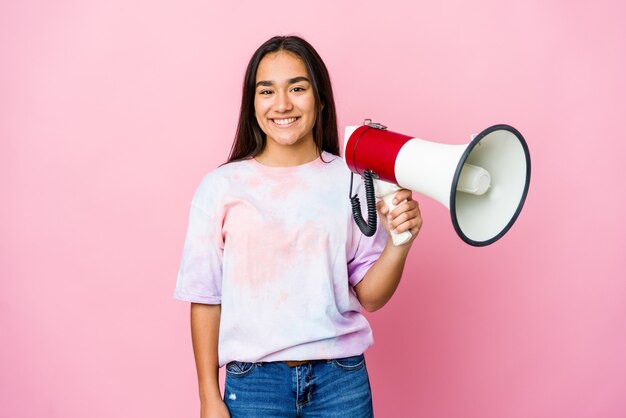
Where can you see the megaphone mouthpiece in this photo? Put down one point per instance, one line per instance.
(474, 180)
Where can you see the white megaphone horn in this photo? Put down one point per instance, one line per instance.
(484, 183)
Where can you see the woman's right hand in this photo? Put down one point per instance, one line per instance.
(214, 410)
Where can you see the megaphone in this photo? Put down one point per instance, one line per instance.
(484, 183)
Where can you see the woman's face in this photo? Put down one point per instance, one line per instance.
(284, 103)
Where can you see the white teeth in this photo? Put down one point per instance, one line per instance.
(284, 121)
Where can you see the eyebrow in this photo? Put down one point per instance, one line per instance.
(290, 81)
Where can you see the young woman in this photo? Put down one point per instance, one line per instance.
(274, 267)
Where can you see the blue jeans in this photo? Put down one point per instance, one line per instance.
(320, 388)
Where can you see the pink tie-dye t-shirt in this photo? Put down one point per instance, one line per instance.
(277, 247)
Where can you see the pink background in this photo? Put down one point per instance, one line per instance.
(112, 111)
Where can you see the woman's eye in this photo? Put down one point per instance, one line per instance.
(298, 89)
(265, 92)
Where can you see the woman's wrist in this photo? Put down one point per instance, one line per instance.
(210, 398)
(210, 392)
(397, 250)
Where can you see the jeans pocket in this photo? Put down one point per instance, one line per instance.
(350, 363)
(239, 368)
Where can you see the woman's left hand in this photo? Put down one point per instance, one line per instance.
(405, 217)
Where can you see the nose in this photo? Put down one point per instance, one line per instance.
(283, 102)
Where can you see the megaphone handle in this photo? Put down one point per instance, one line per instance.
(398, 238)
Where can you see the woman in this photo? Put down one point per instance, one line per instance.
(274, 267)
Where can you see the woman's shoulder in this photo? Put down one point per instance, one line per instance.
(219, 181)
(335, 163)
(332, 160)
(228, 172)
(328, 157)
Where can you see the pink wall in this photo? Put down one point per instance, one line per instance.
(111, 112)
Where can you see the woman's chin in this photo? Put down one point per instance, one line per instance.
(287, 141)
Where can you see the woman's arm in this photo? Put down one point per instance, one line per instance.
(205, 324)
(382, 279)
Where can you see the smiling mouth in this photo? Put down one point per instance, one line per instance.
(285, 121)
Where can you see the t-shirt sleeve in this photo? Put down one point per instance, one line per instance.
(367, 253)
(200, 272)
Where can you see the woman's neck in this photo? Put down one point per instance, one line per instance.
(288, 156)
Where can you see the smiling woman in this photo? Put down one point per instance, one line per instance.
(277, 276)
(260, 80)
(285, 110)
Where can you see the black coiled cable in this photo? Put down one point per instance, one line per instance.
(367, 228)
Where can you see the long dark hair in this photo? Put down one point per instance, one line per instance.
(250, 139)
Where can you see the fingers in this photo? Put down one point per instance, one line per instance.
(406, 221)
(380, 205)
(401, 195)
(408, 206)
(405, 217)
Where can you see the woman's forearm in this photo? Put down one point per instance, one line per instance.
(382, 279)
(205, 322)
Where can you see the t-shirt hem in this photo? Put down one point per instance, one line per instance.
(207, 300)
(285, 355)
